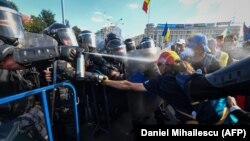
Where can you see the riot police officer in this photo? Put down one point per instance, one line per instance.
(147, 49)
(62, 34)
(145, 109)
(12, 80)
(10, 34)
(63, 70)
(90, 91)
(64, 37)
(87, 40)
(130, 44)
(94, 62)
(110, 36)
(116, 62)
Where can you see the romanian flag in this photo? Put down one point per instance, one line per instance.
(145, 6)
(166, 32)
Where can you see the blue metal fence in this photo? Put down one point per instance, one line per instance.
(42, 91)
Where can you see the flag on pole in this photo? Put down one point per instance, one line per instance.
(166, 32)
(227, 30)
(167, 35)
(145, 6)
(246, 32)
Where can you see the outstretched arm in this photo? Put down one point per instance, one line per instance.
(125, 85)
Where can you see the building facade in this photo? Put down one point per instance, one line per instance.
(138, 39)
(184, 31)
(246, 32)
(102, 33)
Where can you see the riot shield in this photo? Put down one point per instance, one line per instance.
(37, 40)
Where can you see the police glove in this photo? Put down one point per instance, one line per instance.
(95, 77)
(68, 53)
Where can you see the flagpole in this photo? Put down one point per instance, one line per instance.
(62, 6)
(149, 13)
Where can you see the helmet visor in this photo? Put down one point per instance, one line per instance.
(67, 37)
(116, 47)
(10, 23)
(88, 40)
(147, 44)
(121, 51)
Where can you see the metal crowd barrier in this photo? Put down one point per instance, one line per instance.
(98, 114)
(42, 91)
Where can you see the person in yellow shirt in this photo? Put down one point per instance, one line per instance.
(221, 56)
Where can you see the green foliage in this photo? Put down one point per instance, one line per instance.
(47, 16)
(67, 23)
(13, 4)
(37, 25)
(77, 30)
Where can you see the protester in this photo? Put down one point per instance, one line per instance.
(221, 56)
(220, 41)
(242, 116)
(180, 47)
(16, 115)
(165, 85)
(195, 88)
(229, 46)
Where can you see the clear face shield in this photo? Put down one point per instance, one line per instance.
(38, 40)
(100, 44)
(67, 37)
(119, 51)
(10, 24)
(148, 47)
(116, 48)
(88, 41)
(147, 44)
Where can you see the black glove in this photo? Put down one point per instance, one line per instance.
(6, 50)
(68, 53)
(91, 76)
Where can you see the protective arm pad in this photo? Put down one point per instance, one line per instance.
(6, 50)
(236, 73)
(33, 55)
(30, 56)
(232, 80)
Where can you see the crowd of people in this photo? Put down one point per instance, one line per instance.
(200, 87)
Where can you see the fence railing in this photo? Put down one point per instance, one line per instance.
(42, 92)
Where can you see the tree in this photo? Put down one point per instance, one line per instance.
(77, 30)
(67, 23)
(37, 25)
(47, 16)
(13, 4)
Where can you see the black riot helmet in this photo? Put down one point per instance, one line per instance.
(116, 47)
(110, 36)
(147, 42)
(147, 47)
(62, 34)
(130, 44)
(87, 40)
(11, 28)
